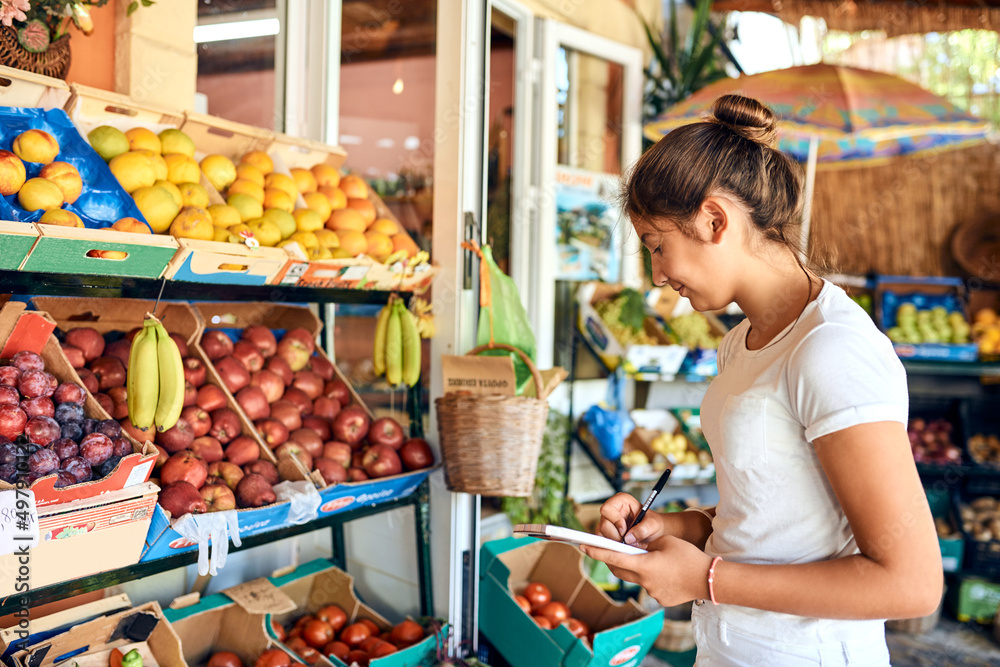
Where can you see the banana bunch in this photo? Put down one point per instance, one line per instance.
(155, 378)
(397, 344)
(425, 318)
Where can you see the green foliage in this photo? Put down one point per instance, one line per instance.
(548, 503)
(679, 69)
(633, 309)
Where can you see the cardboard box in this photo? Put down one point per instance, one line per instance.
(225, 137)
(356, 273)
(923, 292)
(975, 599)
(652, 362)
(132, 470)
(317, 584)
(13, 639)
(623, 632)
(64, 250)
(90, 644)
(225, 263)
(84, 537)
(16, 241)
(91, 107)
(297, 152)
(20, 88)
(232, 620)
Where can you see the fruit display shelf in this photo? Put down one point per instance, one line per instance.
(954, 368)
(69, 284)
(335, 522)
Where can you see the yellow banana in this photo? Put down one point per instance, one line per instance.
(378, 355)
(171, 375)
(394, 348)
(411, 347)
(143, 377)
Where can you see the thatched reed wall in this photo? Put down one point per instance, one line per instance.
(898, 217)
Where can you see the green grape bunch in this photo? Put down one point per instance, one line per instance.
(694, 331)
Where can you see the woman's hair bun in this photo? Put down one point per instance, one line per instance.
(746, 117)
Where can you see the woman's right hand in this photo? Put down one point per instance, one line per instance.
(619, 511)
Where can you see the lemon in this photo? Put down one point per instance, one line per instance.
(248, 207)
(224, 215)
(265, 231)
(305, 239)
(175, 141)
(307, 220)
(284, 220)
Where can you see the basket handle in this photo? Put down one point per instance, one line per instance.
(535, 375)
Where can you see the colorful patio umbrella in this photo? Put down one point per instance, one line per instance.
(831, 113)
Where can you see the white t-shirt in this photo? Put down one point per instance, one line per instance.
(828, 371)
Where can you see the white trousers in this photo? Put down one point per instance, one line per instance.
(724, 644)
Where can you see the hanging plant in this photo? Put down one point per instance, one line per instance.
(33, 36)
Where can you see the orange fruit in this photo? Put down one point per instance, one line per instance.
(259, 159)
(282, 182)
(247, 188)
(326, 175)
(275, 198)
(379, 245)
(346, 219)
(385, 226)
(336, 196)
(353, 242)
(131, 224)
(140, 137)
(193, 222)
(327, 238)
(364, 207)
(318, 202)
(304, 180)
(354, 187)
(403, 242)
(249, 172)
(181, 168)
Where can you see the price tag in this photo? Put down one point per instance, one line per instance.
(260, 596)
(18, 521)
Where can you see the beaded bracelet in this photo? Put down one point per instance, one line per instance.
(711, 579)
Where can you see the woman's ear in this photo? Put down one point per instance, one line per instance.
(715, 216)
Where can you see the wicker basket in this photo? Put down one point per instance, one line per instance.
(54, 61)
(490, 444)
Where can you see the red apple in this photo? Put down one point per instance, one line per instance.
(292, 449)
(294, 352)
(211, 398)
(88, 379)
(161, 456)
(272, 431)
(338, 451)
(121, 349)
(119, 399)
(270, 383)
(307, 339)
(216, 344)
(88, 340)
(110, 372)
(195, 371)
(254, 403)
(356, 475)
(138, 434)
(382, 461)
(227, 472)
(199, 420)
(280, 367)
(310, 383)
(416, 454)
(190, 395)
(242, 450)
(116, 410)
(358, 458)
(234, 375)
(266, 469)
(74, 356)
(299, 399)
(249, 355)
(182, 345)
(322, 367)
(181, 498)
(326, 407)
(131, 333)
(338, 390)
(320, 425)
(386, 431)
(287, 413)
(331, 471)
(218, 497)
(309, 440)
(351, 425)
(185, 466)
(177, 438)
(207, 448)
(225, 425)
(263, 338)
(254, 491)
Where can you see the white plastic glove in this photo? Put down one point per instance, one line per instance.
(216, 528)
(305, 500)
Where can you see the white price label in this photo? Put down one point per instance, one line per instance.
(18, 521)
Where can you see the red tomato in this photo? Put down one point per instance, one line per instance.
(537, 595)
(367, 644)
(338, 649)
(301, 623)
(115, 659)
(371, 625)
(382, 649)
(309, 655)
(407, 633)
(279, 631)
(333, 615)
(273, 657)
(317, 633)
(543, 622)
(577, 627)
(556, 612)
(297, 644)
(225, 659)
(354, 634)
(523, 603)
(359, 657)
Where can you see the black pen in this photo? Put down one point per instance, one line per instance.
(649, 501)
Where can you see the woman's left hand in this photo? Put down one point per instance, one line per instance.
(673, 571)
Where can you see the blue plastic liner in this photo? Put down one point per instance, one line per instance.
(103, 200)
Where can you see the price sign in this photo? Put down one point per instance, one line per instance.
(18, 521)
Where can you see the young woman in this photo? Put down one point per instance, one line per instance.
(822, 529)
